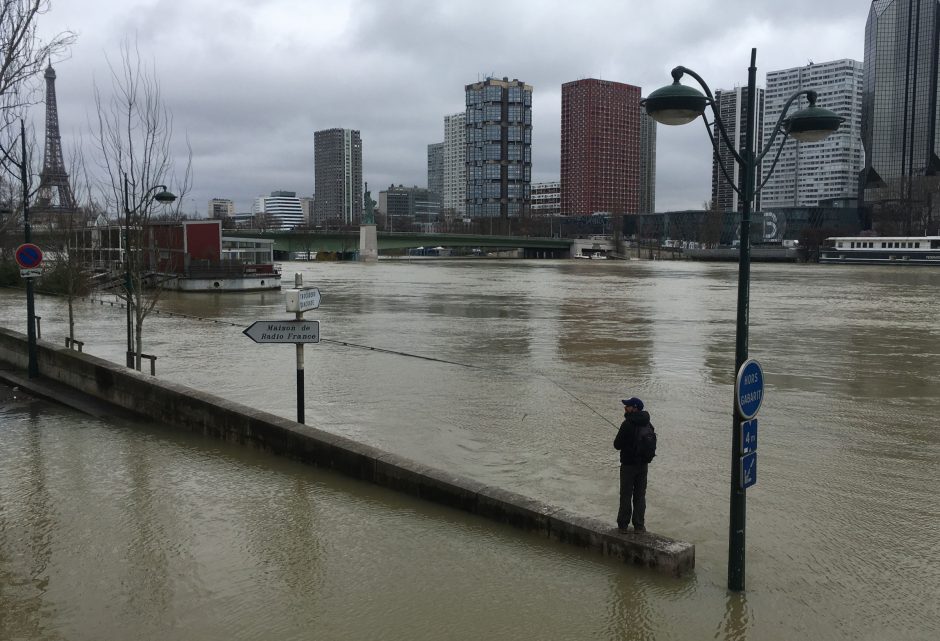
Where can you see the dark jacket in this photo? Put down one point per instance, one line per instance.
(626, 436)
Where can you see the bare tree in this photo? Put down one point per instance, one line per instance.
(22, 56)
(71, 270)
(134, 139)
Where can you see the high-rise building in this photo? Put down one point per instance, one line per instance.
(337, 176)
(409, 208)
(306, 203)
(280, 210)
(732, 108)
(546, 199)
(499, 148)
(453, 198)
(436, 169)
(808, 172)
(220, 208)
(600, 147)
(900, 110)
(647, 163)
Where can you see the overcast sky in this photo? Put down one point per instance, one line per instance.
(249, 81)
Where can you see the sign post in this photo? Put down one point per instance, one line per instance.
(748, 396)
(298, 331)
(29, 258)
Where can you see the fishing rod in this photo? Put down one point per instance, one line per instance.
(372, 348)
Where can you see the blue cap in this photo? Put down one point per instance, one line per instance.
(633, 402)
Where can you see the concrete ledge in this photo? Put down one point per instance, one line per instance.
(67, 375)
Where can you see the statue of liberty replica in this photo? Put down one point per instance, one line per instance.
(368, 237)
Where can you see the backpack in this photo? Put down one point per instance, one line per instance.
(645, 443)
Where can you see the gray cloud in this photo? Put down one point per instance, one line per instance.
(249, 81)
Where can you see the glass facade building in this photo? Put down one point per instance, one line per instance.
(899, 96)
(498, 148)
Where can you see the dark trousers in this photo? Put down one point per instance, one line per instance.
(632, 490)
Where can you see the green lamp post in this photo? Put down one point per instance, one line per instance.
(162, 196)
(678, 104)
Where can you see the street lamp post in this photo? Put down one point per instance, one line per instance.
(162, 196)
(678, 104)
(32, 357)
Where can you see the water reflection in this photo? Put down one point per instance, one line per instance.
(737, 620)
(630, 615)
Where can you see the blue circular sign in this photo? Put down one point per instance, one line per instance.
(749, 389)
(28, 256)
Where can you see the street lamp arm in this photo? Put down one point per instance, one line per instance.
(721, 165)
(772, 166)
(810, 96)
(677, 73)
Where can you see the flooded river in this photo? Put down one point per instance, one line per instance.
(508, 372)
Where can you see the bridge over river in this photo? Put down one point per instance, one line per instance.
(348, 241)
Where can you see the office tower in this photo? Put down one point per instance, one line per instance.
(436, 169)
(899, 98)
(499, 148)
(220, 208)
(647, 163)
(600, 147)
(306, 203)
(337, 176)
(546, 199)
(732, 107)
(808, 172)
(409, 208)
(453, 198)
(280, 210)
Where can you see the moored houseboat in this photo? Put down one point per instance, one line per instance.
(882, 250)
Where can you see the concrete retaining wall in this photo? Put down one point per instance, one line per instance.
(197, 411)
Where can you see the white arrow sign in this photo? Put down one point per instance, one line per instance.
(302, 299)
(284, 331)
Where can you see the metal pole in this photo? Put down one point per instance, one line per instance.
(298, 283)
(127, 277)
(736, 529)
(33, 361)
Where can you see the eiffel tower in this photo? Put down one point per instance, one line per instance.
(55, 194)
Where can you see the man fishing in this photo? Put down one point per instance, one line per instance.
(636, 441)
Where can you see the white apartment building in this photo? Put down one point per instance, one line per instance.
(455, 164)
(220, 208)
(546, 199)
(282, 209)
(808, 172)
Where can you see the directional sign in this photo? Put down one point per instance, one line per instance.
(284, 331)
(302, 299)
(748, 470)
(749, 389)
(28, 256)
(749, 436)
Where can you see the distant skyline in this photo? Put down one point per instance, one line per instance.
(250, 82)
